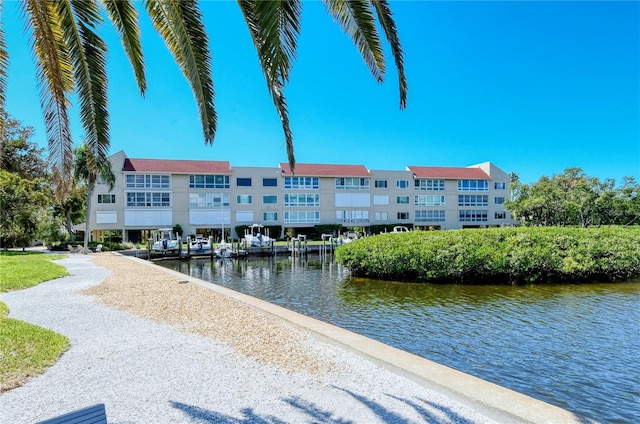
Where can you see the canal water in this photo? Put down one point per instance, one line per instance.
(574, 346)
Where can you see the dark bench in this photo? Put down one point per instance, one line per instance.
(95, 414)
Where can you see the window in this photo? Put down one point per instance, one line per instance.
(106, 198)
(244, 199)
(204, 200)
(269, 216)
(350, 183)
(498, 200)
(402, 184)
(269, 199)
(501, 215)
(473, 185)
(147, 181)
(269, 182)
(302, 217)
(403, 215)
(301, 183)
(148, 199)
(352, 216)
(208, 181)
(380, 183)
(381, 216)
(380, 200)
(429, 184)
(473, 200)
(473, 216)
(498, 185)
(243, 182)
(301, 199)
(429, 200)
(402, 200)
(430, 216)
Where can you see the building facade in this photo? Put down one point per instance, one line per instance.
(206, 196)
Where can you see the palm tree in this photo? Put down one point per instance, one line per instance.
(71, 59)
(82, 172)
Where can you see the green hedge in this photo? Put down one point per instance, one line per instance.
(497, 255)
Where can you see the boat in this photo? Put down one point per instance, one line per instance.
(255, 236)
(166, 243)
(199, 245)
(224, 250)
(400, 229)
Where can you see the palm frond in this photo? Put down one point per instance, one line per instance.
(4, 65)
(356, 18)
(87, 51)
(88, 54)
(385, 17)
(124, 17)
(55, 81)
(274, 28)
(82, 173)
(179, 23)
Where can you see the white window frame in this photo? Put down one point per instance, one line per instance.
(402, 184)
(429, 200)
(429, 184)
(244, 199)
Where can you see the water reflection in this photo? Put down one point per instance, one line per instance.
(575, 346)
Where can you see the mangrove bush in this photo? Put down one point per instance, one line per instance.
(497, 255)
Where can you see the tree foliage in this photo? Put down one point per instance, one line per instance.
(18, 155)
(497, 255)
(84, 172)
(71, 59)
(24, 185)
(573, 198)
(23, 204)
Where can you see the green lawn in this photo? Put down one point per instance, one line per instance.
(26, 349)
(20, 270)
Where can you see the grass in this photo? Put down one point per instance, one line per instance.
(26, 349)
(20, 270)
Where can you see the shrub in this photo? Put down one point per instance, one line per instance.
(497, 255)
(275, 231)
(333, 229)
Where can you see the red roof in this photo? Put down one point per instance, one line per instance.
(448, 173)
(315, 170)
(177, 166)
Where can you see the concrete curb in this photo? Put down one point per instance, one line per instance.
(494, 401)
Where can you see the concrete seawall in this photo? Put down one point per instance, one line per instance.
(494, 401)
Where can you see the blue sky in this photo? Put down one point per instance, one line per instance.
(534, 87)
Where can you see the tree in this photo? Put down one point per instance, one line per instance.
(573, 198)
(73, 209)
(627, 201)
(24, 184)
(71, 60)
(83, 172)
(18, 155)
(23, 204)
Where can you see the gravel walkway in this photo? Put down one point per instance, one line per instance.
(157, 351)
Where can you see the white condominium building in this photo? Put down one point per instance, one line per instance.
(205, 196)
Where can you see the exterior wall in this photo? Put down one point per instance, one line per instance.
(391, 194)
(393, 204)
(258, 208)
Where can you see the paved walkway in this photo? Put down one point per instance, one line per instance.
(152, 373)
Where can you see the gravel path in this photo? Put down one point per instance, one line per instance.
(154, 350)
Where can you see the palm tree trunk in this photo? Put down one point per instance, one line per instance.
(69, 225)
(90, 187)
